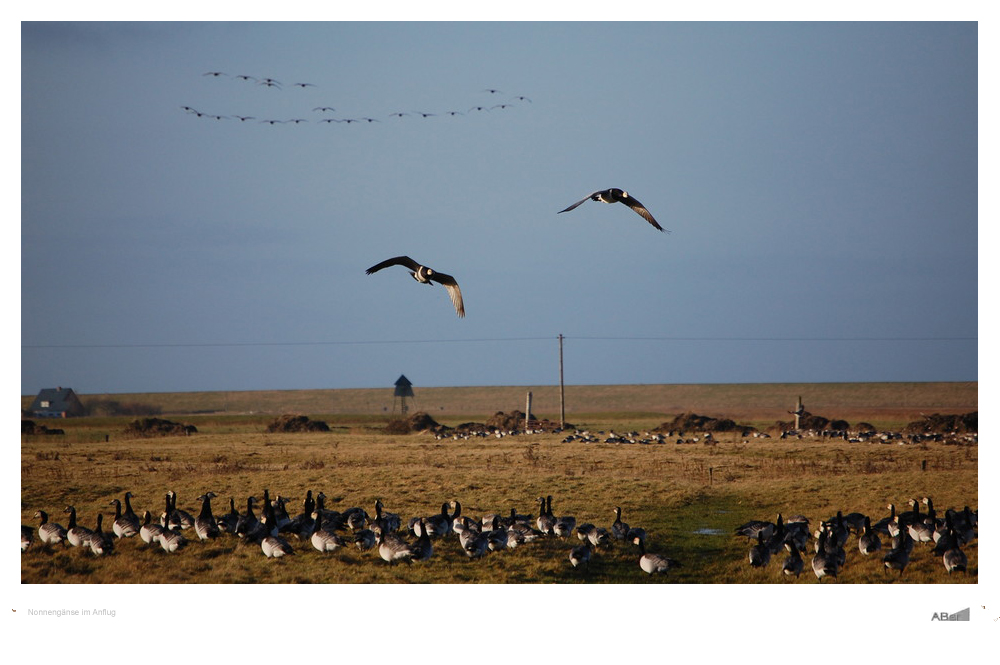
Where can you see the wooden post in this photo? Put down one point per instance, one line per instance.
(527, 412)
(798, 413)
(562, 387)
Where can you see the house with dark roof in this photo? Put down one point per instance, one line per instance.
(56, 403)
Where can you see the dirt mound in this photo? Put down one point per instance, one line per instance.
(290, 423)
(147, 427)
(421, 421)
(694, 422)
(966, 422)
(809, 421)
(507, 421)
(418, 422)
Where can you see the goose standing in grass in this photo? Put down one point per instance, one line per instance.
(355, 518)
(322, 540)
(902, 540)
(793, 563)
(425, 275)
(955, 559)
(456, 516)
(759, 555)
(50, 533)
(386, 521)
(563, 526)
(601, 537)
(394, 549)
(496, 537)
(753, 528)
(545, 520)
(247, 522)
(615, 195)
(580, 555)
(476, 543)
(76, 535)
(824, 564)
(619, 529)
(172, 540)
(869, 542)
(896, 559)
(100, 543)
(520, 532)
(122, 526)
(365, 539)
(636, 533)
(437, 526)
(887, 524)
(179, 517)
(230, 520)
(205, 524)
(129, 514)
(150, 531)
(423, 548)
(271, 544)
(655, 563)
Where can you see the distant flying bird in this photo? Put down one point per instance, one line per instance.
(329, 120)
(615, 195)
(270, 83)
(303, 85)
(479, 108)
(424, 115)
(398, 114)
(501, 106)
(522, 98)
(244, 118)
(455, 113)
(188, 109)
(214, 74)
(273, 122)
(324, 108)
(244, 77)
(425, 275)
(493, 91)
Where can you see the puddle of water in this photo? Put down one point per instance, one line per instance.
(706, 531)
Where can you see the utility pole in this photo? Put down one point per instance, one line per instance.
(562, 387)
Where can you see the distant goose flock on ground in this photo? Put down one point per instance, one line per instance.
(944, 537)
(278, 534)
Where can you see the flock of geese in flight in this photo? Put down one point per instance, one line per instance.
(421, 273)
(274, 530)
(943, 536)
(274, 84)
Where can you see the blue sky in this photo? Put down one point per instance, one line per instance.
(819, 180)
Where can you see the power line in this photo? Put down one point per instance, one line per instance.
(182, 345)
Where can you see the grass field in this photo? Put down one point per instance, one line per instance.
(688, 497)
